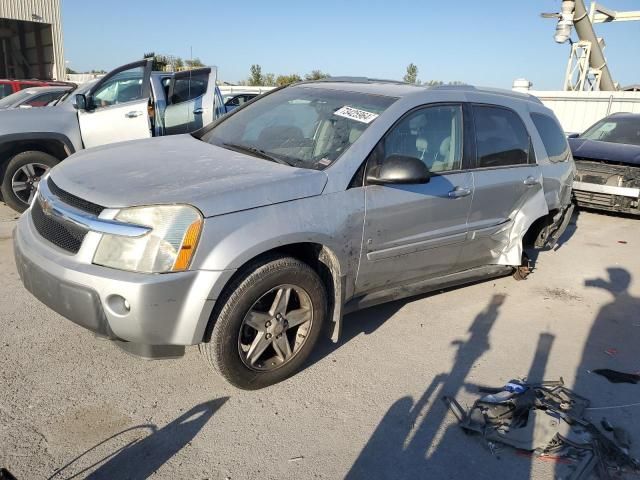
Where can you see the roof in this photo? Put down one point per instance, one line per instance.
(635, 116)
(57, 88)
(395, 88)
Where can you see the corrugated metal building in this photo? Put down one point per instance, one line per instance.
(31, 39)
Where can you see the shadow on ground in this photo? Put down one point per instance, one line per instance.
(140, 458)
(414, 439)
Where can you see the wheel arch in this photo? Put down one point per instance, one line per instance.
(321, 258)
(56, 144)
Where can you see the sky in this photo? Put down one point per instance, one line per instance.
(483, 42)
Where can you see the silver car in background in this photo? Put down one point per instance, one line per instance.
(257, 233)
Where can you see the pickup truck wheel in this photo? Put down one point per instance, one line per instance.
(21, 177)
(269, 323)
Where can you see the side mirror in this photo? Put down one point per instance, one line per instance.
(573, 135)
(400, 169)
(81, 101)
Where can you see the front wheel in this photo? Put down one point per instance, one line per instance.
(22, 175)
(270, 320)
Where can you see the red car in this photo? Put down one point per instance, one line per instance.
(7, 87)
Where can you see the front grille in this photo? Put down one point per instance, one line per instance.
(65, 236)
(592, 198)
(74, 201)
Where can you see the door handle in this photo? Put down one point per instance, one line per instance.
(198, 111)
(530, 181)
(133, 114)
(459, 192)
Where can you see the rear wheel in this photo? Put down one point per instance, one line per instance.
(22, 175)
(269, 323)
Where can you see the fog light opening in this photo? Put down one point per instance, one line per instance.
(118, 304)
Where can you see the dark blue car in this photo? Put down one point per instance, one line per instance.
(607, 157)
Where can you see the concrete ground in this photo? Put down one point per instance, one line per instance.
(72, 406)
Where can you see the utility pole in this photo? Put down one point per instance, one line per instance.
(587, 68)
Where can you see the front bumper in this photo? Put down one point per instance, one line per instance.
(164, 309)
(607, 197)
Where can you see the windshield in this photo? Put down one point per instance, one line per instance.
(14, 99)
(302, 126)
(615, 130)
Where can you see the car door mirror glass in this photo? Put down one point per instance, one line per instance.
(400, 169)
(81, 102)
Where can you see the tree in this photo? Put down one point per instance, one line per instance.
(412, 74)
(316, 75)
(269, 80)
(255, 75)
(194, 63)
(282, 80)
(177, 64)
(434, 83)
(70, 71)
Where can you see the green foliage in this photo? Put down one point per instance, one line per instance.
(255, 76)
(412, 74)
(194, 63)
(282, 80)
(269, 80)
(316, 75)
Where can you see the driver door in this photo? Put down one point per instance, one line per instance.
(416, 231)
(190, 101)
(118, 106)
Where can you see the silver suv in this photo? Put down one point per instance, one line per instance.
(257, 233)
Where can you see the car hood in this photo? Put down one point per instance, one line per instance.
(605, 151)
(182, 169)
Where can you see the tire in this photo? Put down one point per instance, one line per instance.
(224, 351)
(17, 172)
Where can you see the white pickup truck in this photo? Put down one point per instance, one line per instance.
(129, 103)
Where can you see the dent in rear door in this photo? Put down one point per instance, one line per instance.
(508, 191)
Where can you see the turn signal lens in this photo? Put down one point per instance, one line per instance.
(188, 246)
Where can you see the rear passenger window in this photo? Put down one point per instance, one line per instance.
(501, 137)
(189, 87)
(555, 143)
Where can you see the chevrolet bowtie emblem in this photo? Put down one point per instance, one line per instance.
(45, 204)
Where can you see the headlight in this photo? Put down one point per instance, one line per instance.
(168, 247)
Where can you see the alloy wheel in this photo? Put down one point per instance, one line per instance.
(24, 182)
(275, 328)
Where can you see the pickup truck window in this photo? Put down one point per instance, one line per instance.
(123, 87)
(188, 88)
(307, 127)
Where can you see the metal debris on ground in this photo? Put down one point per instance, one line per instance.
(548, 420)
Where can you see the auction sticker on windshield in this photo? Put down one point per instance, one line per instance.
(356, 114)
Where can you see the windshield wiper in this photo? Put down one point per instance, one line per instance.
(256, 152)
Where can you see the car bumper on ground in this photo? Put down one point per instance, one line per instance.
(160, 309)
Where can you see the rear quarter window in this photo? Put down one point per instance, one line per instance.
(553, 138)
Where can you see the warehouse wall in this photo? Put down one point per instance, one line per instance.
(577, 111)
(40, 12)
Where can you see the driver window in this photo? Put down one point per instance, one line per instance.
(123, 87)
(432, 134)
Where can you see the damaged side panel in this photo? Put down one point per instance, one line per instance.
(506, 202)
